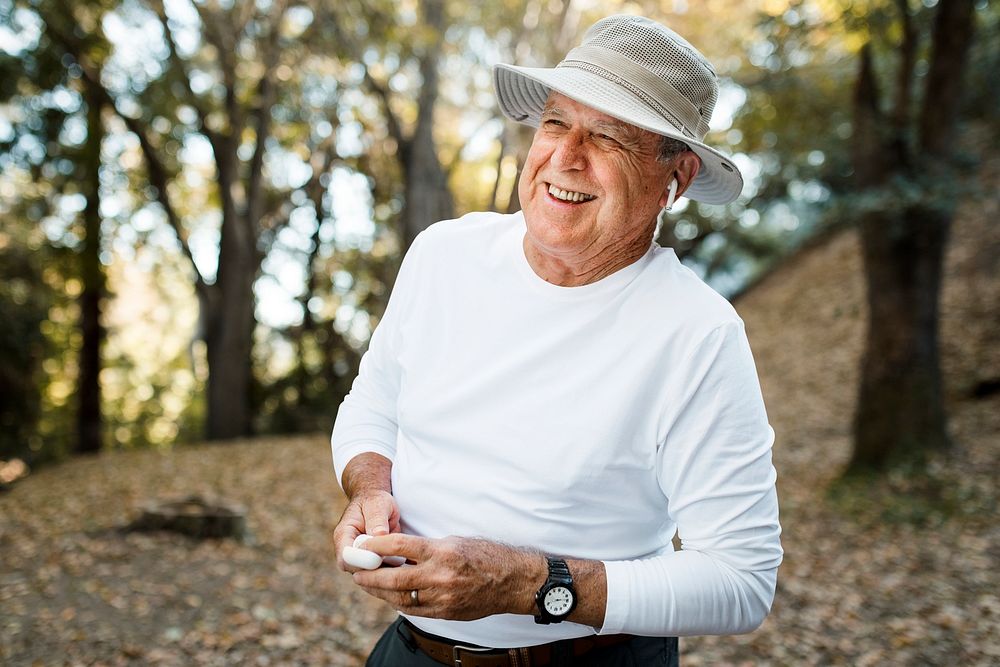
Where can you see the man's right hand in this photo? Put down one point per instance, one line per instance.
(371, 512)
(371, 508)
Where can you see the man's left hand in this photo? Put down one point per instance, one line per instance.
(455, 578)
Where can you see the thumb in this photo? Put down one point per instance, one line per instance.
(376, 513)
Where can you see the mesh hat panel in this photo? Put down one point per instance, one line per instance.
(674, 61)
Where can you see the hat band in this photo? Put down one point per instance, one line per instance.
(625, 72)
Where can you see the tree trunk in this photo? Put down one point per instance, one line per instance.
(229, 342)
(953, 33)
(427, 196)
(230, 318)
(900, 412)
(88, 417)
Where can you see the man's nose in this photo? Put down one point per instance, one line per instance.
(570, 153)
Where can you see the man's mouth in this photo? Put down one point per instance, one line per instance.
(570, 195)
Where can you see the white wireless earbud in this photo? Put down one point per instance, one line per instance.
(671, 194)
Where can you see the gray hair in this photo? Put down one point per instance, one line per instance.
(670, 148)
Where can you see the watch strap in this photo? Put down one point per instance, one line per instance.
(559, 571)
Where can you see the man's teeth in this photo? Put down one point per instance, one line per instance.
(568, 195)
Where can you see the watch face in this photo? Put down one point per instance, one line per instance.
(558, 601)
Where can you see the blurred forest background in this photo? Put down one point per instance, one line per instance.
(203, 204)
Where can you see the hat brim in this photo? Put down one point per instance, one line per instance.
(522, 92)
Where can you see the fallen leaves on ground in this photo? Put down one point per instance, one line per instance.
(76, 589)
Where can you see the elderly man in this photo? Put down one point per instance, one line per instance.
(550, 396)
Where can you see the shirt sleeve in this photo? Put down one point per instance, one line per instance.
(367, 418)
(715, 471)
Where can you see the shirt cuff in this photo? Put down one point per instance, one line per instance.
(616, 573)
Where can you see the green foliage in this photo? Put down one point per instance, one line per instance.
(306, 399)
(325, 350)
(39, 339)
(787, 70)
(24, 303)
(796, 125)
(43, 163)
(791, 130)
(982, 92)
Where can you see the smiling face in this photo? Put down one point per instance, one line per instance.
(591, 189)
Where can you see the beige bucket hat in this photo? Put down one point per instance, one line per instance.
(643, 73)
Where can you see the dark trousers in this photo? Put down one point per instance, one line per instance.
(396, 649)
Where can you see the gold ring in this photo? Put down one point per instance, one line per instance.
(414, 598)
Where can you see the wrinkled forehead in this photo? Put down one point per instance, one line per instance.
(566, 108)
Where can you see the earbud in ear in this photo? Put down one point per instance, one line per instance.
(671, 194)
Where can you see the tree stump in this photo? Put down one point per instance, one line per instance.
(194, 516)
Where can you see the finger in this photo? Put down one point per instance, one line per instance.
(351, 524)
(401, 600)
(377, 512)
(347, 567)
(343, 536)
(411, 547)
(404, 578)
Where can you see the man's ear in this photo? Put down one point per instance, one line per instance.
(685, 168)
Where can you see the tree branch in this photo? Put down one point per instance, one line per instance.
(225, 45)
(391, 119)
(868, 156)
(262, 117)
(157, 171)
(953, 30)
(393, 125)
(904, 84)
(159, 179)
(323, 157)
(183, 70)
(322, 160)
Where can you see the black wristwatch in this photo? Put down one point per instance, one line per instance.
(556, 599)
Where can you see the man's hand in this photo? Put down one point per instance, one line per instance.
(374, 512)
(371, 508)
(455, 578)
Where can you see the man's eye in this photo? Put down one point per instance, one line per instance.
(607, 139)
(552, 122)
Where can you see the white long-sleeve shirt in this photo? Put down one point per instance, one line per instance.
(588, 422)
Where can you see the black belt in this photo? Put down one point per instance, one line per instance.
(458, 655)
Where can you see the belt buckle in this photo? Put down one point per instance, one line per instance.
(456, 653)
